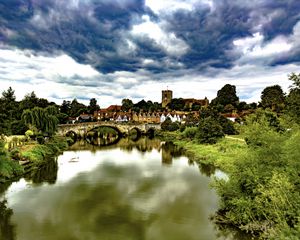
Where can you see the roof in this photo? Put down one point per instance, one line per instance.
(114, 108)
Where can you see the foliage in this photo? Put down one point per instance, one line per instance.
(8, 168)
(40, 139)
(93, 106)
(127, 104)
(209, 131)
(43, 119)
(273, 97)
(226, 95)
(7, 228)
(176, 104)
(168, 125)
(263, 121)
(262, 193)
(226, 124)
(293, 99)
(38, 153)
(190, 132)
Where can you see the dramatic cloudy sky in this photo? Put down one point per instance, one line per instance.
(115, 49)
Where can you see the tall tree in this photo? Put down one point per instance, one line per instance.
(93, 106)
(127, 104)
(43, 119)
(77, 108)
(226, 95)
(273, 97)
(9, 95)
(8, 111)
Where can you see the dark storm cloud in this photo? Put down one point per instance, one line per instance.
(96, 32)
(210, 33)
(62, 27)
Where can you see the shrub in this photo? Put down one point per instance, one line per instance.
(190, 132)
(209, 131)
(29, 133)
(40, 139)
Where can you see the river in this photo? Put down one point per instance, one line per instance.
(135, 190)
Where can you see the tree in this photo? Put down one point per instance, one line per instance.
(142, 105)
(127, 104)
(176, 104)
(9, 95)
(44, 120)
(273, 97)
(93, 106)
(77, 108)
(8, 111)
(293, 99)
(226, 95)
(209, 131)
(65, 107)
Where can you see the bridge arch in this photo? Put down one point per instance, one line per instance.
(96, 128)
(72, 134)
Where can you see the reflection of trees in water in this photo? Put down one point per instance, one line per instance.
(4, 186)
(169, 151)
(207, 169)
(143, 144)
(228, 232)
(7, 229)
(44, 173)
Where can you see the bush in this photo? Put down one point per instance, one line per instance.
(190, 132)
(29, 134)
(168, 125)
(40, 139)
(227, 126)
(209, 131)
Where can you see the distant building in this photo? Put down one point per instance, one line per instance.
(166, 97)
(189, 102)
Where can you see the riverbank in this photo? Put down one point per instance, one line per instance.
(222, 155)
(261, 194)
(22, 159)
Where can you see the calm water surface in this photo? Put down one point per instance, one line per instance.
(142, 191)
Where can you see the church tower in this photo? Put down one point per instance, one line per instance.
(166, 97)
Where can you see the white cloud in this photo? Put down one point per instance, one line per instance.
(255, 48)
(166, 40)
(60, 78)
(158, 6)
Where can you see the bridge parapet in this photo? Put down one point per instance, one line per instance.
(81, 129)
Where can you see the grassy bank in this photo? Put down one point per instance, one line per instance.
(31, 155)
(261, 195)
(222, 154)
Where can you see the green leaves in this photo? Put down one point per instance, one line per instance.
(44, 120)
(263, 191)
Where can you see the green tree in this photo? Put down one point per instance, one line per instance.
(226, 95)
(262, 193)
(127, 104)
(93, 106)
(273, 97)
(44, 120)
(209, 131)
(77, 108)
(177, 104)
(8, 111)
(293, 99)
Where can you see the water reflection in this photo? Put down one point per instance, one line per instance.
(135, 189)
(45, 173)
(7, 229)
(117, 194)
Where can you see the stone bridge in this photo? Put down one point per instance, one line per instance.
(81, 129)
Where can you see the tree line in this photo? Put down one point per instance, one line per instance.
(18, 116)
